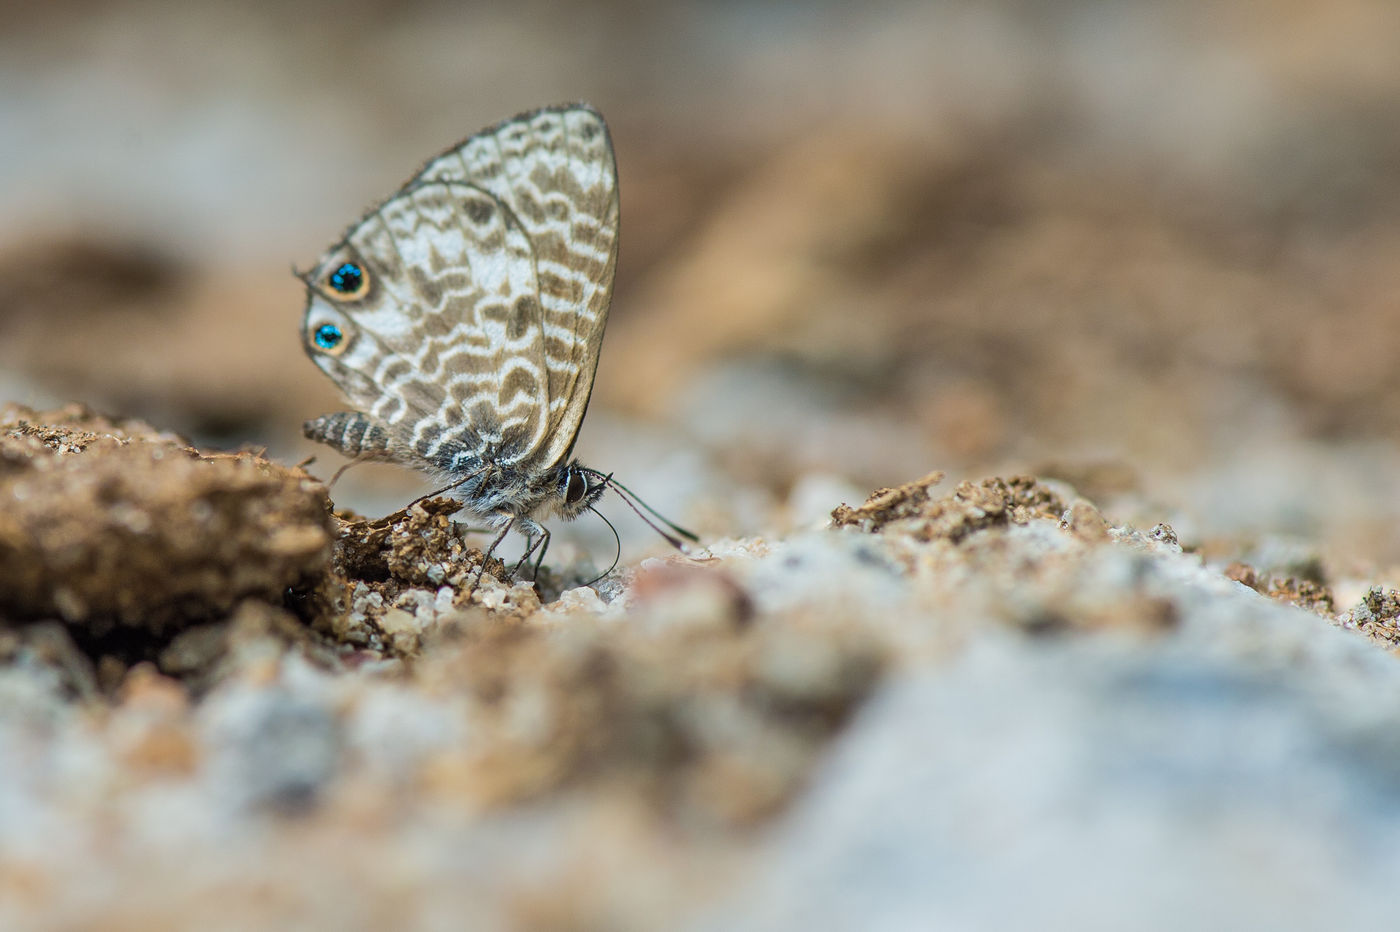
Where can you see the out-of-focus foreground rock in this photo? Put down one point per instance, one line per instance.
(866, 726)
(114, 524)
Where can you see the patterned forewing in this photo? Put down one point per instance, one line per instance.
(555, 170)
(447, 347)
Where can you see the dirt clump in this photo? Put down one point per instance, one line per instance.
(112, 523)
(972, 506)
(1310, 594)
(405, 576)
(1377, 616)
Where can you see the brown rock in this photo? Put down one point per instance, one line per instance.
(115, 523)
(972, 507)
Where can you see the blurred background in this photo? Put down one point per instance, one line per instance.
(1146, 248)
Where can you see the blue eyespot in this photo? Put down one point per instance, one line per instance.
(328, 336)
(349, 278)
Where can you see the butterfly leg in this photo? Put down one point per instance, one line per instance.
(486, 554)
(536, 538)
(538, 546)
(539, 558)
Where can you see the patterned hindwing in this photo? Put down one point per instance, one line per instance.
(554, 169)
(427, 317)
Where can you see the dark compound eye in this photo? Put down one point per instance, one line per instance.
(349, 279)
(576, 488)
(328, 336)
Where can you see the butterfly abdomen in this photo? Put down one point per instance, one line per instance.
(349, 432)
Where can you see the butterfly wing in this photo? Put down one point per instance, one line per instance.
(487, 284)
(554, 170)
(440, 344)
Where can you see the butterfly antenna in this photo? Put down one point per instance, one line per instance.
(616, 539)
(625, 493)
(669, 538)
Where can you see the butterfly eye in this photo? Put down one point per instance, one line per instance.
(576, 488)
(349, 280)
(329, 338)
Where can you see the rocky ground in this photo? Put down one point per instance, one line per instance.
(1027, 372)
(963, 706)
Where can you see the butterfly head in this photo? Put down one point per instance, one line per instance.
(579, 487)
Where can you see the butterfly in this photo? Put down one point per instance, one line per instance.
(463, 317)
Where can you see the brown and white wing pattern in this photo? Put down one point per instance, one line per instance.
(554, 170)
(463, 317)
(426, 315)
